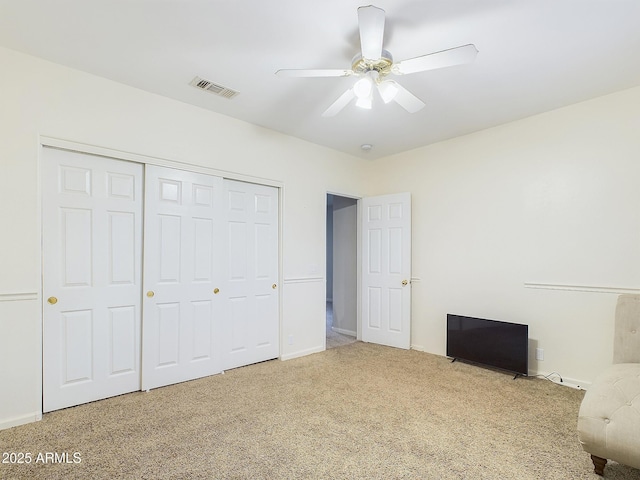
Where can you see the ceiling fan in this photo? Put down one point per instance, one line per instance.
(374, 64)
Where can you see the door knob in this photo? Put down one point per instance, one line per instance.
(405, 283)
(216, 290)
(274, 286)
(150, 293)
(52, 300)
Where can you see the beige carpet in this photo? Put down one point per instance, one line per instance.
(355, 412)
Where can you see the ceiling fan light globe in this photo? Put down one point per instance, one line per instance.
(388, 90)
(363, 87)
(364, 102)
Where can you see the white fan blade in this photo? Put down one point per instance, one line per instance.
(314, 73)
(408, 100)
(445, 58)
(371, 24)
(340, 103)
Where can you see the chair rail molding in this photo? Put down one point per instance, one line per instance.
(307, 279)
(581, 288)
(18, 297)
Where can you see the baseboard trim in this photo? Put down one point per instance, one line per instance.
(343, 331)
(14, 422)
(565, 382)
(302, 353)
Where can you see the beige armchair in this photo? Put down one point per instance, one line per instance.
(609, 417)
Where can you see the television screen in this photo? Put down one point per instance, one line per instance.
(493, 343)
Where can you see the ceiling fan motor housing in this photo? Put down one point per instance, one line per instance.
(361, 65)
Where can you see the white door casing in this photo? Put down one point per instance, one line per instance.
(183, 262)
(92, 241)
(251, 332)
(386, 270)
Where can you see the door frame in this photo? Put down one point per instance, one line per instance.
(63, 144)
(359, 222)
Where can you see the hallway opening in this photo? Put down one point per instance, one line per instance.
(341, 268)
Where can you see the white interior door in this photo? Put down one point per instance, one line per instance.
(251, 330)
(182, 261)
(92, 240)
(386, 270)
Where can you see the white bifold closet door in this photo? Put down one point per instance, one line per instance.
(91, 245)
(251, 330)
(183, 258)
(203, 298)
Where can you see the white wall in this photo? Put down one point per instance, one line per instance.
(551, 199)
(39, 98)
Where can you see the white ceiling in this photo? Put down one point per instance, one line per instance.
(534, 56)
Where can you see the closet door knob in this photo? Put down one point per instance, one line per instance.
(274, 286)
(52, 300)
(405, 283)
(150, 293)
(216, 290)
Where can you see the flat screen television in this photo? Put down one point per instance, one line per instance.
(492, 343)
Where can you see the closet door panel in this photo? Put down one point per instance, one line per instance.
(92, 259)
(251, 333)
(183, 258)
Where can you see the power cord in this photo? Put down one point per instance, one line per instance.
(547, 377)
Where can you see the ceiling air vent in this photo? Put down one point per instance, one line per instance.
(214, 88)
